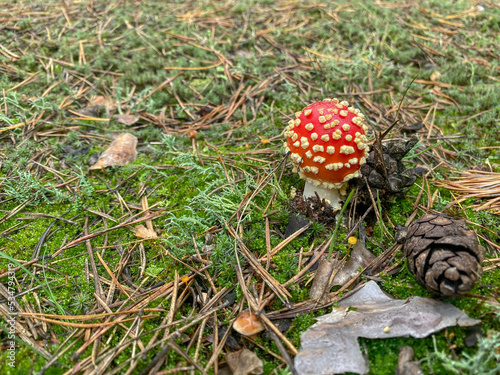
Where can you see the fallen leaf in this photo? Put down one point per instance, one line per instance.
(322, 277)
(360, 258)
(435, 75)
(90, 111)
(127, 119)
(120, 152)
(244, 362)
(406, 365)
(107, 102)
(143, 232)
(331, 345)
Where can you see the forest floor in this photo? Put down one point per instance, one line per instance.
(142, 268)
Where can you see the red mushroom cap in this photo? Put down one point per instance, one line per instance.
(327, 142)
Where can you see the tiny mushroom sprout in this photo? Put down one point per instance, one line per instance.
(248, 324)
(328, 145)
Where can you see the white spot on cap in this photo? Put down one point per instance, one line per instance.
(307, 112)
(353, 161)
(335, 122)
(328, 117)
(345, 103)
(361, 145)
(321, 111)
(346, 150)
(325, 137)
(297, 122)
(318, 148)
(346, 127)
(297, 144)
(347, 165)
(304, 142)
(309, 126)
(297, 114)
(343, 113)
(330, 150)
(309, 154)
(314, 170)
(314, 136)
(334, 166)
(319, 159)
(327, 126)
(295, 136)
(322, 119)
(354, 174)
(337, 134)
(348, 138)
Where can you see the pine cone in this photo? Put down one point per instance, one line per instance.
(444, 254)
(389, 176)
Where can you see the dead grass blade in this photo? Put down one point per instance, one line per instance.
(475, 184)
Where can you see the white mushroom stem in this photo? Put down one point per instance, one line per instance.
(331, 196)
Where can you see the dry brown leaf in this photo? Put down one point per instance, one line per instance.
(331, 345)
(322, 278)
(244, 362)
(143, 232)
(107, 102)
(120, 152)
(406, 364)
(89, 111)
(127, 119)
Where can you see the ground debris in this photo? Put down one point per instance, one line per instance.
(384, 173)
(244, 362)
(406, 365)
(120, 152)
(313, 208)
(127, 119)
(360, 258)
(478, 184)
(331, 347)
(143, 232)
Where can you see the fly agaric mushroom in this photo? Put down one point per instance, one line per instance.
(248, 324)
(328, 145)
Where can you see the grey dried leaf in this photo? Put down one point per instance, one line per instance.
(360, 258)
(331, 345)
